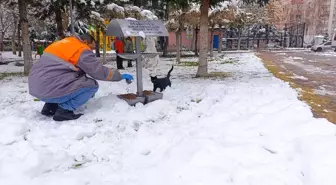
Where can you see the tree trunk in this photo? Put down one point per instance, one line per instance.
(27, 56)
(14, 34)
(220, 39)
(167, 10)
(196, 42)
(2, 41)
(97, 41)
(239, 39)
(211, 42)
(155, 3)
(178, 46)
(165, 47)
(66, 17)
(19, 39)
(137, 3)
(104, 47)
(58, 17)
(248, 38)
(193, 41)
(204, 29)
(179, 34)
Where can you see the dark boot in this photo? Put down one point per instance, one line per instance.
(129, 64)
(65, 115)
(49, 109)
(120, 63)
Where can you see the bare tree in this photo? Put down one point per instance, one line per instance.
(6, 22)
(181, 20)
(180, 17)
(193, 19)
(19, 39)
(275, 13)
(14, 26)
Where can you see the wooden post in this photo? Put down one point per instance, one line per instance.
(97, 41)
(104, 47)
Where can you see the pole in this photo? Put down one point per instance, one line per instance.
(248, 38)
(303, 34)
(267, 33)
(71, 19)
(331, 18)
(285, 36)
(138, 67)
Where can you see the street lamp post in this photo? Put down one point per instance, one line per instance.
(331, 18)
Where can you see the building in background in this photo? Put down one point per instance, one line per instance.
(319, 17)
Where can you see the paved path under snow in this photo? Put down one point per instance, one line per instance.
(247, 129)
(315, 70)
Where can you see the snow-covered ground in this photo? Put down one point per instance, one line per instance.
(297, 61)
(247, 129)
(8, 55)
(326, 53)
(10, 68)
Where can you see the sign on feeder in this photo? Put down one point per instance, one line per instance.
(135, 28)
(138, 29)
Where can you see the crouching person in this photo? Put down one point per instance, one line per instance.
(59, 77)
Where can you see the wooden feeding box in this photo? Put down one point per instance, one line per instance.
(137, 29)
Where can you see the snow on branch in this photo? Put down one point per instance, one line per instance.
(115, 11)
(133, 11)
(116, 8)
(148, 15)
(96, 16)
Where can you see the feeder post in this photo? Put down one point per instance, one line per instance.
(138, 67)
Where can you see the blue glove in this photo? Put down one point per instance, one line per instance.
(127, 77)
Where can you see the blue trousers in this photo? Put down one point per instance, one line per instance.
(74, 100)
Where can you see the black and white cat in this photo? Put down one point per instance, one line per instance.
(162, 83)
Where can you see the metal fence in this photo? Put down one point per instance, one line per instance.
(263, 36)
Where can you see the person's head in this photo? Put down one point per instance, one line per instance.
(88, 40)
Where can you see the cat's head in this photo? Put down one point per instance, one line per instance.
(153, 79)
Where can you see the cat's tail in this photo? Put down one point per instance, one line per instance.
(168, 75)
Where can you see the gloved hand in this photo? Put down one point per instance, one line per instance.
(127, 77)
